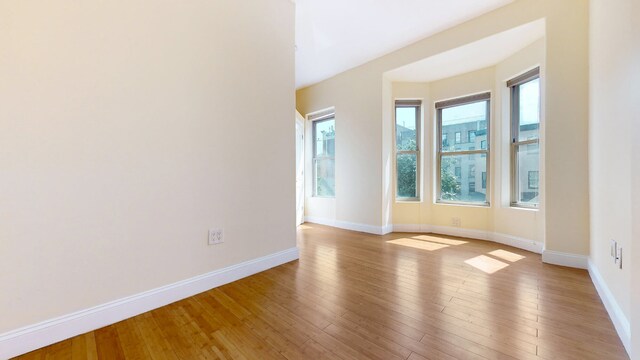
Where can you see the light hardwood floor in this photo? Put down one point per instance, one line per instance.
(358, 296)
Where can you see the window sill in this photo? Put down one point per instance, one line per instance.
(408, 201)
(524, 207)
(474, 205)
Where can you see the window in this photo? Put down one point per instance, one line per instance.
(445, 140)
(472, 136)
(525, 139)
(407, 149)
(533, 179)
(469, 115)
(324, 154)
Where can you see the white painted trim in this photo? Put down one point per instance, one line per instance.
(515, 241)
(20, 341)
(565, 259)
(456, 231)
(407, 228)
(370, 229)
(519, 242)
(320, 221)
(616, 314)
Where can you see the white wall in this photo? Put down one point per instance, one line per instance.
(130, 128)
(613, 126)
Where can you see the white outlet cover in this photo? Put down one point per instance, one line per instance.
(215, 236)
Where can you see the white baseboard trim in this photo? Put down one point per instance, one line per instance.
(519, 242)
(370, 229)
(320, 221)
(616, 314)
(515, 241)
(565, 259)
(29, 338)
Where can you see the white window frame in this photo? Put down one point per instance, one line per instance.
(515, 142)
(315, 119)
(417, 104)
(441, 105)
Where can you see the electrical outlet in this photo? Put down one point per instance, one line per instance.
(455, 221)
(216, 236)
(619, 257)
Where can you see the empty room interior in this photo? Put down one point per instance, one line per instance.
(307, 179)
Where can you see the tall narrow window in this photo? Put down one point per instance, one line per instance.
(324, 155)
(525, 138)
(408, 149)
(460, 166)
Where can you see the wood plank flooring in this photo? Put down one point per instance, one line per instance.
(358, 296)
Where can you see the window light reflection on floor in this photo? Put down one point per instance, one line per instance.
(506, 255)
(486, 264)
(418, 244)
(440, 240)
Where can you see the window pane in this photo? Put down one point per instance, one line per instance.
(325, 134)
(529, 110)
(407, 172)
(325, 179)
(406, 128)
(468, 119)
(460, 177)
(528, 168)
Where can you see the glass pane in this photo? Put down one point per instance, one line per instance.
(407, 171)
(406, 128)
(466, 125)
(325, 177)
(529, 110)
(463, 178)
(528, 168)
(325, 134)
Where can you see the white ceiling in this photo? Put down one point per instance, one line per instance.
(473, 56)
(333, 36)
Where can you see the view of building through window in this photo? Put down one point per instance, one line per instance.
(324, 153)
(407, 149)
(463, 164)
(525, 128)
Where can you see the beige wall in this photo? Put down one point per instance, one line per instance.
(613, 158)
(357, 95)
(634, 84)
(128, 130)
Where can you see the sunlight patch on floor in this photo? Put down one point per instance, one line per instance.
(440, 240)
(486, 264)
(418, 244)
(507, 255)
